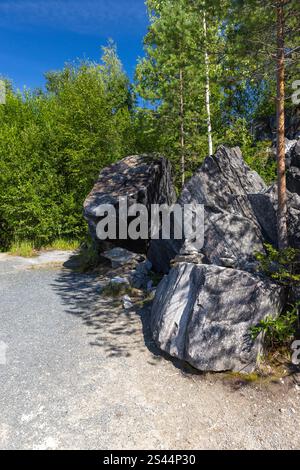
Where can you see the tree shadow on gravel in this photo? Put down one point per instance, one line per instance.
(118, 332)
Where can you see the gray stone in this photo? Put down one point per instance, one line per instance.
(289, 149)
(127, 302)
(139, 277)
(265, 127)
(293, 180)
(203, 314)
(220, 177)
(142, 179)
(296, 155)
(264, 206)
(120, 256)
(293, 173)
(119, 280)
(294, 220)
(231, 240)
(232, 233)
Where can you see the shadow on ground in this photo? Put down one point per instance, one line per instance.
(118, 332)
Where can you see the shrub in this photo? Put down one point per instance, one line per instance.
(278, 331)
(283, 267)
(24, 249)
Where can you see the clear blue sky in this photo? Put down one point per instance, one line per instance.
(41, 35)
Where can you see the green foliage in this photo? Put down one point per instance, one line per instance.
(171, 77)
(27, 249)
(53, 144)
(240, 44)
(155, 278)
(256, 154)
(64, 244)
(278, 331)
(260, 159)
(24, 249)
(282, 266)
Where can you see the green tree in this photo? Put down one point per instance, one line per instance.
(262, 37)
(53, 144)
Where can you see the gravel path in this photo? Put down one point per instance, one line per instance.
(80, 372)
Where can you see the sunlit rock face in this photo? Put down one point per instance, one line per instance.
(203, 314)
(208, 301)
(232, 233)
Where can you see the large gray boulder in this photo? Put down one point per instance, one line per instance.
(143, 179)
(203, 314)
(264, 206)
(232, 233)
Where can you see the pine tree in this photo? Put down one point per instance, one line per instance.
(261, 36)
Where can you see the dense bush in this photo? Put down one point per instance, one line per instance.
(52, 145)
(54, 142)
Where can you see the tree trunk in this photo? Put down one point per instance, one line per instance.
(207, 90)
(181, 114)
(282, 199)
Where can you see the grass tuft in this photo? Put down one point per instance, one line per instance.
(24, 249)
(27, 249)
(64, 245)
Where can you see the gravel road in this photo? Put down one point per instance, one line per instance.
(79, 372)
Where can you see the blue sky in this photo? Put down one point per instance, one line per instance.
(41, 35)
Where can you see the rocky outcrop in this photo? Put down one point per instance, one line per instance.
(232, 232)
(240, 212)
(265, 127)
(296, 155)
(143, 179)
(205, 306)
(203, 314)
(264, 206)
(293, 173)
(292, 163)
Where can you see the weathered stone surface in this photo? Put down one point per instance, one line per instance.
(232, 233)
(139, 278)
(265, 127)
(296, 155)
(202, 314)
(289, 149)
(293, 179)
(294, 220)
(142, 179)
(264, 206)
(120, 256)
(293, 173)
(220, 177)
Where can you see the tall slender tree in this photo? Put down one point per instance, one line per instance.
(264, 33)
(280, 77)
